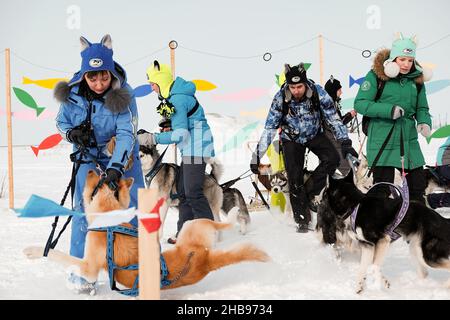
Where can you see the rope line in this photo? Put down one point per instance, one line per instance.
(263, 55)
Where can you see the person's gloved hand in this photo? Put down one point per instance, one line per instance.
(397, 112)
(141, 131)
(424, 129)
(346, 148)
(348, 116)
(254, 164)
(79, 136)
(146, 138)
(112, 178)
(165, 125)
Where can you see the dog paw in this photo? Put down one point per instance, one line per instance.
(386, 283)
(34, 252)
(359, 288)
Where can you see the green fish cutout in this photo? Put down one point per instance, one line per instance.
(28, 100)
(442, 132)
(347, 103)
(239, 137)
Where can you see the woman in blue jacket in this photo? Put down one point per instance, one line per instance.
(96, 105)
(190, 132)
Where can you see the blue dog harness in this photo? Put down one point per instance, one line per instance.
(112, 266)
(404, 193)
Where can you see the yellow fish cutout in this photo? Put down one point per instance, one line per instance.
(278, 200)
(44, 83)
(429, 65)
(203, 85)
(259, 113)
(275, 158)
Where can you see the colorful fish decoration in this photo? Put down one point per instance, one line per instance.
(347, 103)
(143, 90)
(203, 85)
(47, 143)
(239, 138)
(436, 86)
(442, 132)
(243, 95)
(28, 100)
(352, 81)
(44, 83)
(152, 221)
(30, 115)
(37, 207)
(260, 113)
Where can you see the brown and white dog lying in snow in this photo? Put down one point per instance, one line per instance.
(194, 244)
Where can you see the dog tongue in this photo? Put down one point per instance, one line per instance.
(152, 224)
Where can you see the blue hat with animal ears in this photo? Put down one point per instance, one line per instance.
(98, 57)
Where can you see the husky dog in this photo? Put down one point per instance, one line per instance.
(279, 183)
(165, 182)
(194, 247)
(435, 181)
(427, 232)
(232, 197)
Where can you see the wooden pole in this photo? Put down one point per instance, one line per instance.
(173, 45)
(321, 59)
(149, 250)
(9, 127)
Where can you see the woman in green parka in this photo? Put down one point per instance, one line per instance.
(402, 104)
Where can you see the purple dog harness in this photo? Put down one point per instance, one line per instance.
(404, 193)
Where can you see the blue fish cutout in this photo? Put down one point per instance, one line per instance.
(143, 90)
(352, 81)
(438, 85)
(37, 207)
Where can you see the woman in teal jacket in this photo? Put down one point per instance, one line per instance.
(190, 132)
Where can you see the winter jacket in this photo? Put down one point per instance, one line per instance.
(401, 91)
(191, 134)
(303, 122)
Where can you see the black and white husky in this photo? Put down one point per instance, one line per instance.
(218, 199)
(427, 232)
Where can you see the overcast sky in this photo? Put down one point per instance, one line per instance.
(235, 33)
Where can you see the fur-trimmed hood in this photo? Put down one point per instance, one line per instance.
(379, 68)
(116, 100)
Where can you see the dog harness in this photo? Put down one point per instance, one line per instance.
(404, 193)
(112, 266)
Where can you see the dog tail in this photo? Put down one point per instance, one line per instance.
(241, 253)
(216, 168)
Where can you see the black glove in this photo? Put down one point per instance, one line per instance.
(347, 118)
(80, 136)
(165, 123)
(254, 164)
(112, 178)
(346, 148)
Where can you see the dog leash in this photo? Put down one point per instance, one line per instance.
(51, 244)
(228, 184)
(156, 167)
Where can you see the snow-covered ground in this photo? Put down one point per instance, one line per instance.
(301, 268)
